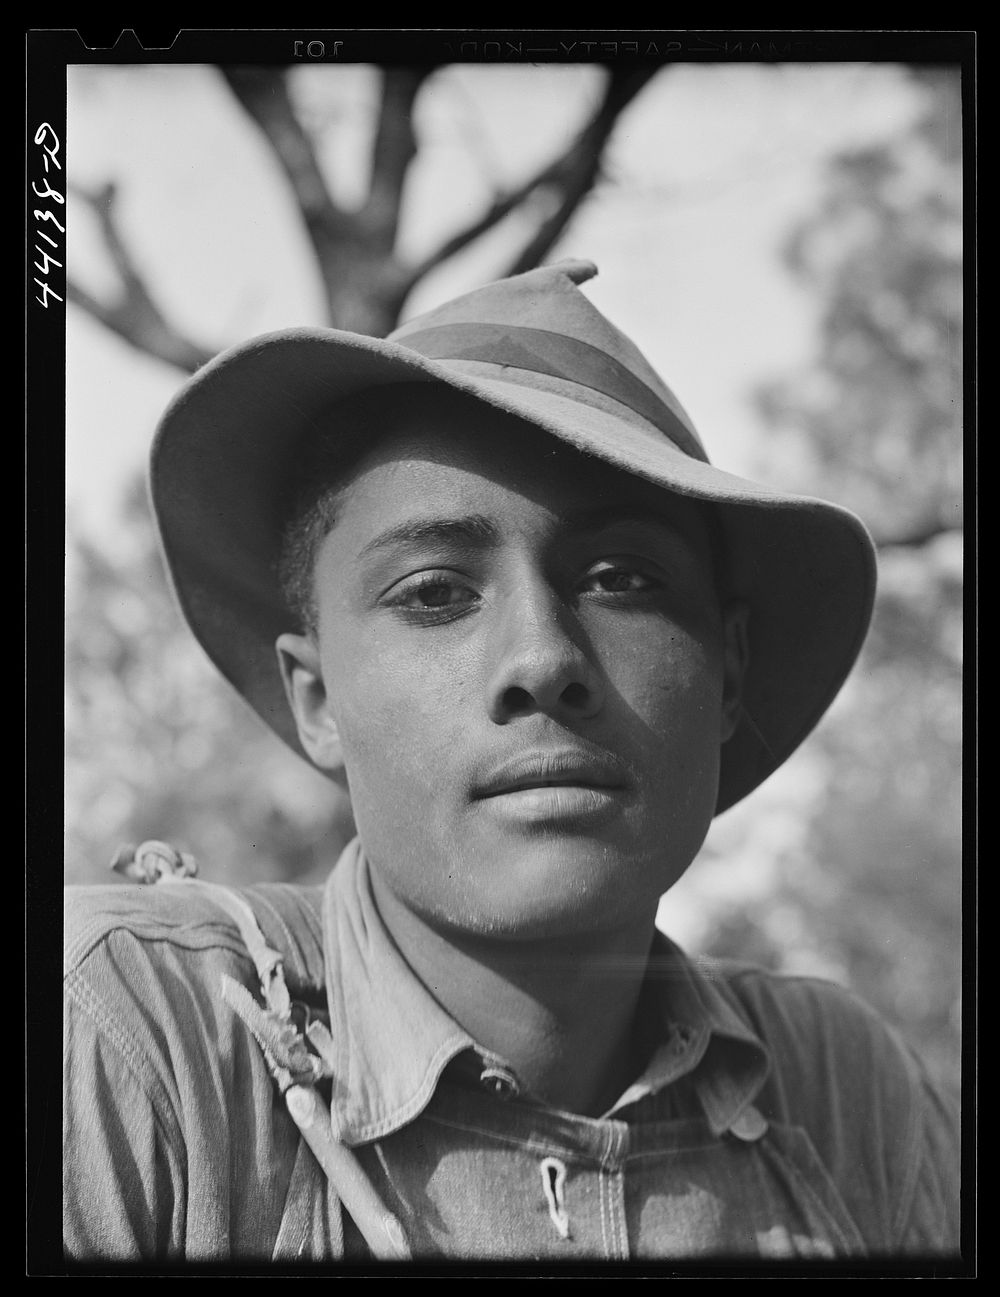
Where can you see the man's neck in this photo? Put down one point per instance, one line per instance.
(560, 1011)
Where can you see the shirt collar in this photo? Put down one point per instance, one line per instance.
(392, 1039)
(703, 1033)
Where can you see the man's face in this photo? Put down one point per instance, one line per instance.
(524, 658)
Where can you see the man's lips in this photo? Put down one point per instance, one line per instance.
(553, 768)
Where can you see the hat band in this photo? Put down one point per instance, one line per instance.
(541, 351)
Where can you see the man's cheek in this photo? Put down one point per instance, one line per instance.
(396, 743)
(669, 684)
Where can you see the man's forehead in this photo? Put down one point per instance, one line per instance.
(420, 527)
(448, 447)
(411, 502)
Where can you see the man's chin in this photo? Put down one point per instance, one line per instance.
(515, 886)
(565, 899)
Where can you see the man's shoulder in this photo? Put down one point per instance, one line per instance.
(192, 916)
(144, 968)
(782, 1004)
(838, 1066)
(884, 1128)
(815, 1029)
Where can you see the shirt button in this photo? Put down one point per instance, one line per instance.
(750, 1125)
(502, 1083)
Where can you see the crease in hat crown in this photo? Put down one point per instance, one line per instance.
(533, 346)
(541, 302)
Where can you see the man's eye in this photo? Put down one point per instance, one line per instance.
(432, 594)
(617, 578)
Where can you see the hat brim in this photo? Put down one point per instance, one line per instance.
(221, 455)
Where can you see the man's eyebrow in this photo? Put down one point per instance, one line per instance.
(471, 529)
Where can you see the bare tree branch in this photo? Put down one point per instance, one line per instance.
(582, 165)
(366, 284)
(263, 93)
(492, 216)
(393, 149)
(572, 174)
(134, 316)
(353, 249)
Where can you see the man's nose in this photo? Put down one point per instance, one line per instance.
(541, 660)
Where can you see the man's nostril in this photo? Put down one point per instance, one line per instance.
(575, 695)
(517, 700)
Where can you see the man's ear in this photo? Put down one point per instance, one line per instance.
(736, 659)
(302, 675)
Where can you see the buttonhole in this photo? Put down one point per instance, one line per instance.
(554, 1185)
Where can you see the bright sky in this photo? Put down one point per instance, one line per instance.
(709, 169)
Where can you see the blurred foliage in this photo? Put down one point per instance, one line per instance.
(180, 756)
(873, 887)
(881, 404)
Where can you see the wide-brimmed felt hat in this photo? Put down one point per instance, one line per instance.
(535, 346)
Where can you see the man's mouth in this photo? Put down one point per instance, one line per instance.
(555, 784)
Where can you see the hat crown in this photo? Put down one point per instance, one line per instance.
(547, 300)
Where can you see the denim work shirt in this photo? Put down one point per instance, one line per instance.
(775, 1117)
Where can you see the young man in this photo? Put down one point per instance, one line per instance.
(484, 571)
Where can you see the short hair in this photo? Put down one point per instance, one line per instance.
(336, 444)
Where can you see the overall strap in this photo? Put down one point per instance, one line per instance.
(296, 1060)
